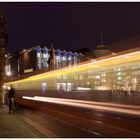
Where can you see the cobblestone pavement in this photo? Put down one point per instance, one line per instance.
(12, 126)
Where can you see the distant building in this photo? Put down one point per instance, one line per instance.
(38, 59)
(99, 51)
(11, 67)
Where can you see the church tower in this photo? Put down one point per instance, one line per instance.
(101, 49)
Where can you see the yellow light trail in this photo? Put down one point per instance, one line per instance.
(84, 67)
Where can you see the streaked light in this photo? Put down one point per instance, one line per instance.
(83, 88)
(127, 109)
(133, 56)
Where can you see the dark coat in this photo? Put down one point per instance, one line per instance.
(11, 93)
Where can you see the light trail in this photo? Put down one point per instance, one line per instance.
(126, 109)
(84, 67)
(91, 102)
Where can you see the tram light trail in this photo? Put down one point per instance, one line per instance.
(133, 110)
(91, 102)
(89, 65)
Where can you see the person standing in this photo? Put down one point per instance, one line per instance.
(11, 94)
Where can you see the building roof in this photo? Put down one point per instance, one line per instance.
(126, 44)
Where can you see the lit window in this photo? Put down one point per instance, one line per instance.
(118, 69)
(103, 74)
(44, 55)
(44, 86)
(8, 70)
(58, 58)
(119, 73)
(69, 58)
(38, 54)
(134, 80)
(119, 78)
(88, 83)
(58, 86)
(64, 58)
(97, 76)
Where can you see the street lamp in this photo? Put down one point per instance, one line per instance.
(8, 73)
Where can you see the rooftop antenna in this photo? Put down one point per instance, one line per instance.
(101, 38)
(101, 41)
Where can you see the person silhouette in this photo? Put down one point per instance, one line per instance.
(11, 94)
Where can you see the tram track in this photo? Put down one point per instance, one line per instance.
(104, 125)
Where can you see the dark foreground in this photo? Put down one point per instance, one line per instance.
(13, 126)
(68, 121)
(62, 118)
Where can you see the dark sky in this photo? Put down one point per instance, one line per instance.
(69, 25)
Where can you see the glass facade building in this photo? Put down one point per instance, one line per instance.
(37, 58)
(57, 57)
(120, 72)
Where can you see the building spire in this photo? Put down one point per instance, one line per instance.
(101, 38)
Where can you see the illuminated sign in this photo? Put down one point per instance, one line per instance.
(28, 70)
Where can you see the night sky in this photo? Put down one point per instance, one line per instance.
(69, 25)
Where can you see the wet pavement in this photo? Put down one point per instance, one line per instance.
(13, 126)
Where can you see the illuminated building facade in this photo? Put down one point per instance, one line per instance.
(120, 72)
(39, 59)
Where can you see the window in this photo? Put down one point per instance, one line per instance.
(97, 76)
(38, 55)
(45, 55)
(64, 57)
(69, 58)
